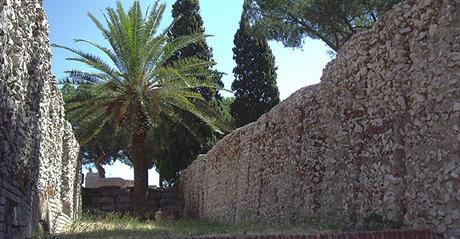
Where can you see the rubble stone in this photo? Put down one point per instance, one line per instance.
(373, 137)
(39, 153)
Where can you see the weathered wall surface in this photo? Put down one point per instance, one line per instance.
(121, 200)
(38, 149)
(412, 234)
(380, 134)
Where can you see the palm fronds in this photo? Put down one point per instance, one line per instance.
(135, 87)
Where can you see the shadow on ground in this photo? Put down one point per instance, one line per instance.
(118, 234)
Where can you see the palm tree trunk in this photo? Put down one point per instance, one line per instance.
(141, 183)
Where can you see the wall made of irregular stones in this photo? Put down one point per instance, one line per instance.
(407, 234)
(14, 206)
(37, 146)
(121, 200)
(380, 135)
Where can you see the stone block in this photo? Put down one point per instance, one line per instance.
(122, 207)
(108, 207)
(125, 192)
(124, 202)
(110, 191)
(98, 200)
(124, 199)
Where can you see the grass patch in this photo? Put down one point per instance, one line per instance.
(115, 226)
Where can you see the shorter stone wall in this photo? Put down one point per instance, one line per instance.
(121, 200)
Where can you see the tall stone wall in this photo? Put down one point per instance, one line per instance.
(38, 149)
(379, 135)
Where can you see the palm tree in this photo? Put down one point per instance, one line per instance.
(134, 87)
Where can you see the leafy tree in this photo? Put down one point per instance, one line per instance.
(104, 149)
(94, 152)
(332, 21)
(188, 21)
(255, 75)
(135, 91)
(179, 147)
(225, 113)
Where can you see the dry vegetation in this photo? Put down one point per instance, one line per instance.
(114, 226)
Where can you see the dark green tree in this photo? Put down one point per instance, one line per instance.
(186, 14)
(332, 21)
(255, 75)
(179, 146)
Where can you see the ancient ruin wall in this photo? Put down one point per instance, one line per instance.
(121, 200)
(38, 149)
(379, 135)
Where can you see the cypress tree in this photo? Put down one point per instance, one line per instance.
(178, 146)
(188, 21)
(255, 75)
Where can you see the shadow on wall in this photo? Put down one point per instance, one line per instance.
(39, 182)
(22, 213)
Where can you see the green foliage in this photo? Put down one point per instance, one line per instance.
(137, 90)
(188, 21)
(140, 89)
(179, 146)
(225, 112)
(332, 21)
(108, 146)
(255, 75)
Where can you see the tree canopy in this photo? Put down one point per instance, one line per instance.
(188, 21)
(108, 146)
(136, 90)
(178, 146)
(332, 21)
(255, 75)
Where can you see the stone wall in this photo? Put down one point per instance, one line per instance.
(13, 206)
(379, 135)
(37, 147)
(407, 234)
(121, 200)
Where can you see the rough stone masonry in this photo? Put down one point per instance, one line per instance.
(379, 135)
(39, 184)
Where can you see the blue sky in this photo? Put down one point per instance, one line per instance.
(296, 68)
